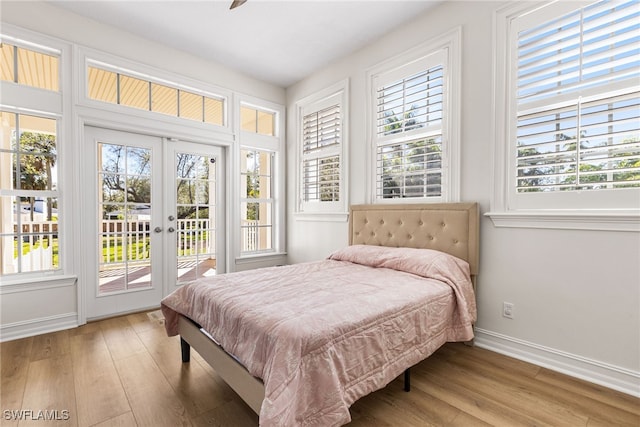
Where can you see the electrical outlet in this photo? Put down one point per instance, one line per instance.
(507, 310)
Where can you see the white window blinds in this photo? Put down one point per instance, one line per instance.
(578, 102)
(409, 130)
(411, 103)
(321, 139)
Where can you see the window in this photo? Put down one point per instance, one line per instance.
(28, 194)
(31, 206)
(29, 67)
(572, 133)
(256, 200)
(578, 101)
(142, 93)
(414, 125)
(257, 121)
(261, 189)
(321, 155)
(410, 167)
(322, 152)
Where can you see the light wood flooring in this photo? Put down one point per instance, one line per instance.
(125, 372)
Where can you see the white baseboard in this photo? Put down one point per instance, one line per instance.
(614, 377)
(42, 325)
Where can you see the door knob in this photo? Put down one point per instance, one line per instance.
(171, 229)
(157, 229)
(171, 217)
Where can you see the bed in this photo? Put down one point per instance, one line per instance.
(301, 343)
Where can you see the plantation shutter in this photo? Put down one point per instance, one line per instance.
(321, 145)
(409, 131)
(578, 102)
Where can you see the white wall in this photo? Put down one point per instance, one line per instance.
(576, 293)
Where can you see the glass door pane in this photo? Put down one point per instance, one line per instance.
(124, 225)
(195, 189)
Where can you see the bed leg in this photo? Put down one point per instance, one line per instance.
(407, 380)
(186, 350)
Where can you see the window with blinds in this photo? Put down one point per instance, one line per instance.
(578, 100)
(409, 135)
(411, 103)
(321, 139)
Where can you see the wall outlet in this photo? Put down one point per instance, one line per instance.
(507, 310)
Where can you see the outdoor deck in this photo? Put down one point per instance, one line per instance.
(116, 280)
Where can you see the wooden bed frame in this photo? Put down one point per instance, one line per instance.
(448, 227)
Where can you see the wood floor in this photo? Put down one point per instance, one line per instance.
(126, 372)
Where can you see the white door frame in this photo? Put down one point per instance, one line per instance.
(123, 122)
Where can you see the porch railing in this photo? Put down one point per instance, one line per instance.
(40, 240)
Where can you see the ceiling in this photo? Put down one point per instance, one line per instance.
(280, 42)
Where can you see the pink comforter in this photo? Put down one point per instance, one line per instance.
(323, 334)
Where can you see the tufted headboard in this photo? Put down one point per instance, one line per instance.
(448, 227)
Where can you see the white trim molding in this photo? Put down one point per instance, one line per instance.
(41, 325)
(605, 221)
(610, 376)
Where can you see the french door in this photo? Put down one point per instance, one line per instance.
(155, 218)
(195, 241)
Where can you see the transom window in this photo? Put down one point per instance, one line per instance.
(257, 121)
(138, 92)
(29, 67)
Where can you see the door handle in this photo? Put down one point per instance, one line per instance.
(157, 229)
(171, 229)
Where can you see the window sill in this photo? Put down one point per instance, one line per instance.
(259, 257)
(569, 220)
(322, 216)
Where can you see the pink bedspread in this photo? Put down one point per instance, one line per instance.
(323, 334)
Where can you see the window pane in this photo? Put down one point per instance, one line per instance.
(37, 153)
(214, 111)
(8, 161)
(411, 103)
(321, 129)
(37, 69)
(102, 85)
(134, 92)
(256, 174)
(266, 123)
(8, 155)
(248, 119)
(112, 158)
(29, 237)
(7, 68)
(256, 226)
(410, 169)
(191, 106)
(164, 99)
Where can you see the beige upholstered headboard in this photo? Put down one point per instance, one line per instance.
(448, 227)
